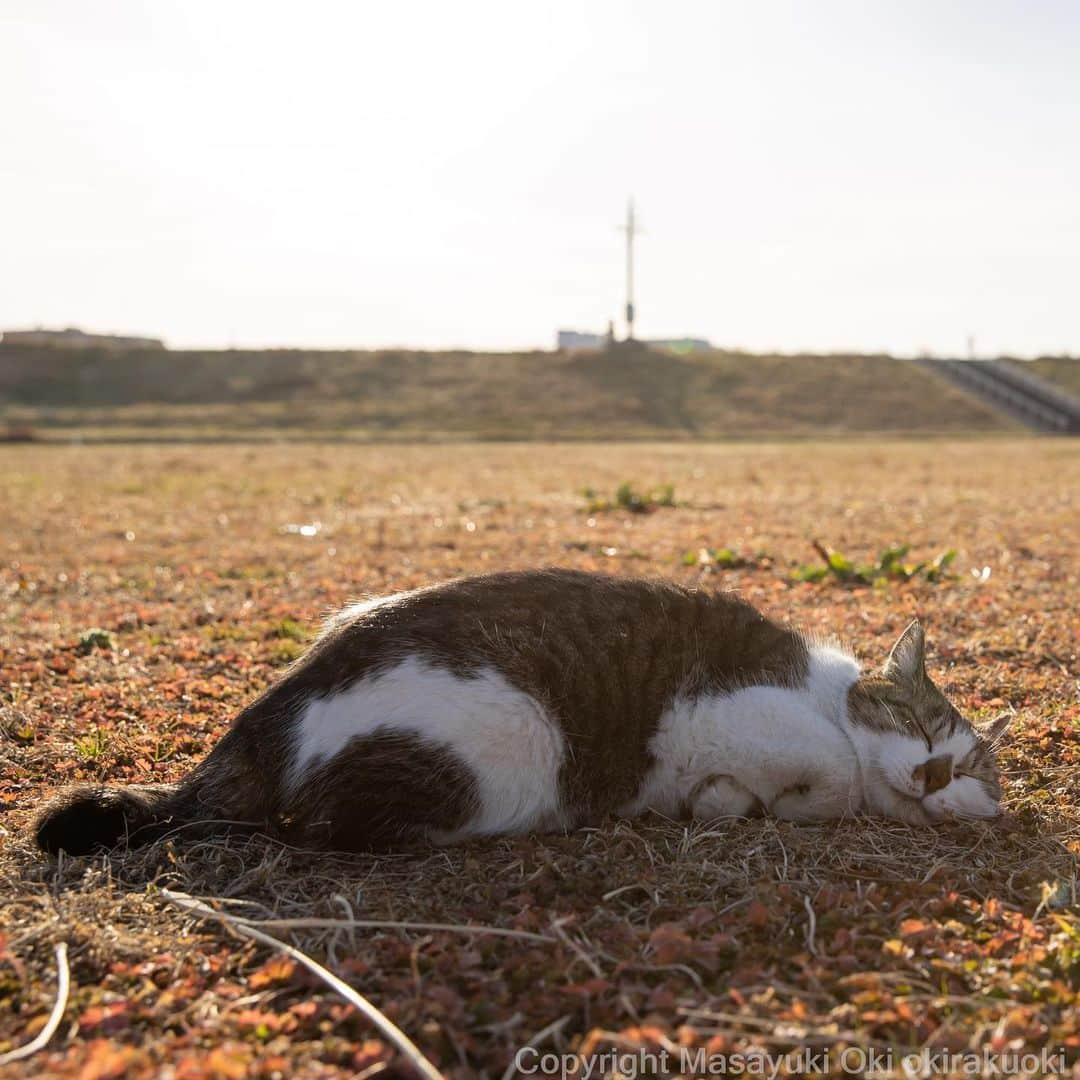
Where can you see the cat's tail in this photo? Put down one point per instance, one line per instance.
(231, 790)
(86, 819)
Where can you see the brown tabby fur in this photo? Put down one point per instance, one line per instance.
(605, 656)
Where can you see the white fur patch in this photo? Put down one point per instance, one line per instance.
(963, 797)
(898, 755)
(957, 746)
(770, 740)
(500, 733)
(832, 673)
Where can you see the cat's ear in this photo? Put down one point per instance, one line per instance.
(993, 731)
(907, 661)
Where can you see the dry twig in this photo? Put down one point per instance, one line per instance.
(63, 986)
(391, 924)
(393, 1033)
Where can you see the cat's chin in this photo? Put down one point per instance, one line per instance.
(931, 811)
(948, 813)
(965, 799)
(899, 806)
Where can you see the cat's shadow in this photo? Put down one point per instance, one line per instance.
(688, 862)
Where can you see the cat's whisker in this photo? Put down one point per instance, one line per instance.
(892, 716)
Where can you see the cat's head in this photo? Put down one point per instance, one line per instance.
(923, 761)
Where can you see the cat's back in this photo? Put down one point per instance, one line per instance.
(611, 632)
(601, 656)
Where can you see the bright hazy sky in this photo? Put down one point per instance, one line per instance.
(871, 175)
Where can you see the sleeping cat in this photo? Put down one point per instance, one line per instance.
(546, 700)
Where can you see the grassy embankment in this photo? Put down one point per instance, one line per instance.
(404, 396)
(1062, 371)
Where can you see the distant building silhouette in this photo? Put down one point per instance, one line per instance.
(74, 338)
(577, 341)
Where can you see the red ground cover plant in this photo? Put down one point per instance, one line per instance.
(147, 592)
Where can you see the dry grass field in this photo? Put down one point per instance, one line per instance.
(147, 593)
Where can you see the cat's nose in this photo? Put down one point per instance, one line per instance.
(935, 773)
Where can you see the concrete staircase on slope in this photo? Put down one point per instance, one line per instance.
(1024, 396)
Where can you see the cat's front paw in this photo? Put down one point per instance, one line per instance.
(722, 796)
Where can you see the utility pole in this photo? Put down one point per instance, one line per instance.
(631, 229)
